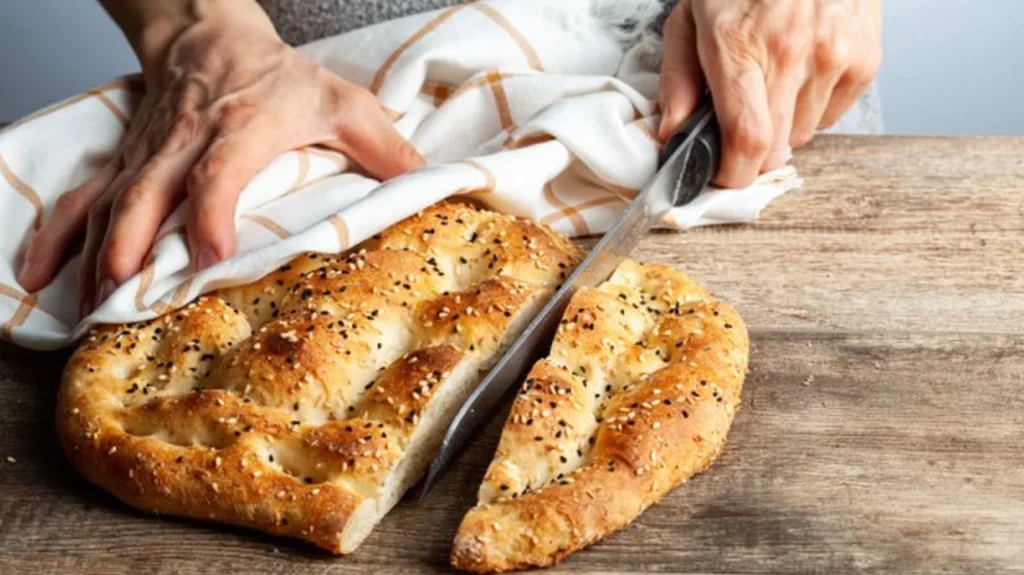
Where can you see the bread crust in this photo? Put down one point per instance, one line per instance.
(636, 396)
(304, 404)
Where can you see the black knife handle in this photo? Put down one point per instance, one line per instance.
(700, 162)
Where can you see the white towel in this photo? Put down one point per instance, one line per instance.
(532, 107)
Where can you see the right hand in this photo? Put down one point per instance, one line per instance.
(224, 96)
(777, 69)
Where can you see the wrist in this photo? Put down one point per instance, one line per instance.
(152, 27)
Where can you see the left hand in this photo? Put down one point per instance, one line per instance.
(224, 96)
(777, 69)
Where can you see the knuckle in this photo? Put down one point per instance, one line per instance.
(183, 130)
(68, 204)
(234, 114)
(789, 46)
(359, 99)
(203, 173)
(866, 68)
(186, 121)
(831, 52)
(196, 180)
(750, 138)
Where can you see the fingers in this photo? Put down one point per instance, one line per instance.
(777, 71)
(781, 103)
(746, 125)
(136, 214)
(850, 88)
(734, 59)
(367, 136)
(810, 107)
(856, 59)
(786, 76)
(143, 197)
(47, 247)
(681, 79)
(737, 83)
(214, 185)
(96, 228)
(831, 57)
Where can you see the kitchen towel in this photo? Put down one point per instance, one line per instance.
(540, 109)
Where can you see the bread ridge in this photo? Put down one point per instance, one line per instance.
(306, 403)
(637, 395)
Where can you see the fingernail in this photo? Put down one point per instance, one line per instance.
(107, 287)
(205, 258)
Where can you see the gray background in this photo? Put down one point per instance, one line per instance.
(951, 66)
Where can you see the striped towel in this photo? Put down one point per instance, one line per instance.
(532, 107)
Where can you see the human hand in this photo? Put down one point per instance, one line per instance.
(224, 96)
(777, 70)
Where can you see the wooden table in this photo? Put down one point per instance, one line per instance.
(883, 419)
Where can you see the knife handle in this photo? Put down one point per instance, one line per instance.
(700, 162)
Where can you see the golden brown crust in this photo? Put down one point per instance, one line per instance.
(303, 404)
(637, 395)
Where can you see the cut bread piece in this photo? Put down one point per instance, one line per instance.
(636, 396)
(307, 403)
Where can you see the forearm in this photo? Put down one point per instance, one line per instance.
(150, 25)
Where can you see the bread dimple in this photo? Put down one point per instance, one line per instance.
(259, 301)
(341, 324)
(478, 248)
(641, 386)
(306, 403)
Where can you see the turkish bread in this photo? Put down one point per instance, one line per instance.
(307, 403)
(636, 396)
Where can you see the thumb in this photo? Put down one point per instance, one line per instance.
(681, 79)
(366, 135)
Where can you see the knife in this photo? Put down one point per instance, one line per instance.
(688, 161)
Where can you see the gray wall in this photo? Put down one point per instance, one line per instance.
(952, 66)
(52, 49)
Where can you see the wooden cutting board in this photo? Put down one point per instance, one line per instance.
(882, 428)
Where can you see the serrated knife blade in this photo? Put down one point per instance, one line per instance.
(688, 161)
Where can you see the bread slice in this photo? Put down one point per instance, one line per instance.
(307, 403)
(636, 396)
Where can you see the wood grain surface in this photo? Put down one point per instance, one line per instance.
(882, 429)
